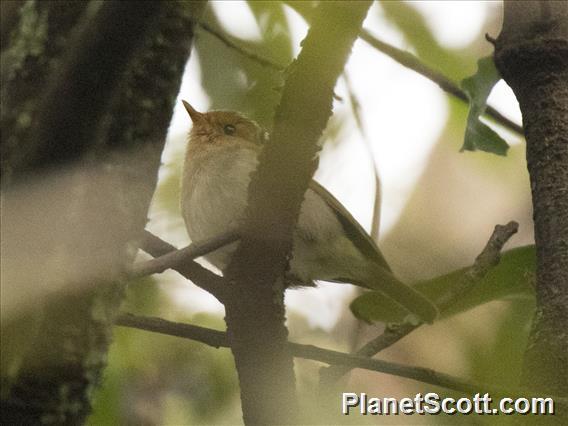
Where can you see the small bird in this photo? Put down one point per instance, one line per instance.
(328, 243)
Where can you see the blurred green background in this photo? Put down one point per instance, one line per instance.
(439, 208)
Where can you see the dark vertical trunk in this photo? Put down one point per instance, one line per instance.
(255, 309)
(532, 56)
(75, 199)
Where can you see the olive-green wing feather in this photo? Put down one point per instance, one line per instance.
(380, 277)
(352, 228)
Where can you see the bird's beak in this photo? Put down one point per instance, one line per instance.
(193, 114)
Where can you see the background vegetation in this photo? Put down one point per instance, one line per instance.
(439, 205)
(444, 224)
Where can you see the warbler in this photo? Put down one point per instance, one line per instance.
(328, 243)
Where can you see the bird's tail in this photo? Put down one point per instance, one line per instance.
(379, 279)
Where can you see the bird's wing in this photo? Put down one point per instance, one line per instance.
(352, 228)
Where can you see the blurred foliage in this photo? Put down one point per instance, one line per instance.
(155, 379)
(234, 81)
(478, 87)
(513, 278)
(151, 377)
(454, 63)
(166, 197)
(16, 334)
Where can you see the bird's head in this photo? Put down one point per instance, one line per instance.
(223, 126)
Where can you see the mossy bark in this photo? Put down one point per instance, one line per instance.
(532, 56)
(74, 226)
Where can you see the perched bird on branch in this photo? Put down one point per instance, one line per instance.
(328, 243)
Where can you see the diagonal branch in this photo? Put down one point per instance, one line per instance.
(404, 58)
(168, 257)
(228, 41)
(410, 61)
(175, 258)
(215, 338)
(487, 259)
(218, 339)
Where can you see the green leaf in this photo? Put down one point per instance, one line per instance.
(479, 136)
(376, 307)
(512, 278)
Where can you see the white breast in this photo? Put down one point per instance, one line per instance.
(214, 194)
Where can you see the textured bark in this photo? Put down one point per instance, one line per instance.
(76, 224)
(532, 56)
(255, 310)
(40, 32)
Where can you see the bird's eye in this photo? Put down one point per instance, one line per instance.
(229, 129)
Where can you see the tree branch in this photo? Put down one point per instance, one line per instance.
(255, 310)
(193, 271)
(219, 339)
(404, 58)
(228, 41)
(173, 258)
(410, 61)
(487, 259)
(215, 338)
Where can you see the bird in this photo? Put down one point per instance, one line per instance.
(328, 243)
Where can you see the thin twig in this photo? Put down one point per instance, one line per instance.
(228, 41)
(219, 339)
(176, 258)
(410, 61)
(224, 38)
(376, 212)
(183, 264)
(215, 338)
(487, 259)
(154, 245)
(356, 108)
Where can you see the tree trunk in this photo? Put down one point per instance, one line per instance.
(255, 308)
(532, 56)
(75, 198)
